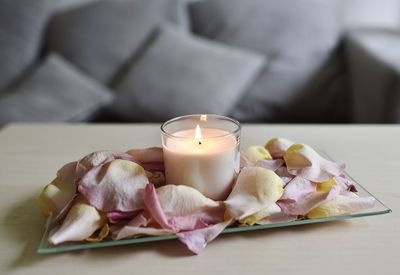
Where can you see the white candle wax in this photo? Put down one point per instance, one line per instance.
(209, 163)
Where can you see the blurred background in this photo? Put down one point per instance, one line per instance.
(259, 61)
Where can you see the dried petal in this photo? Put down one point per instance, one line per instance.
(117, 216)
(151, 159)
(102, 234)
(140, 225)
(115, 186)
(256, 188)
(299, 189)
(273, 164)
(197, 240)
(304, 206)
(273, 209)
(80, 223)
(348, 203)
(302, 160)
(98, 158)
(255, 153)
(57, 196)
(277, 147)
(179, 207)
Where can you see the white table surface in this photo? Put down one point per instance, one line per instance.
(31, 154)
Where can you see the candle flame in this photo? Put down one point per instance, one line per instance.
(197, 133)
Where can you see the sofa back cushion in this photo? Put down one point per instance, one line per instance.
(180, 74)
(53, 91)
(297, 37)
(101, 36)
(22, 23)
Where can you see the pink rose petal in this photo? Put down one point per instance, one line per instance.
(284, 174)
(117, 216)
(277, 147)
(98, 158)
(197, 240)
(154, 207)
(346, 183)
(181, 207)
(140, 226)
(152, 159)
(273, 165)
(302, 160)
(276, 215)
(115, 186)
(302, 207)
(299, 189)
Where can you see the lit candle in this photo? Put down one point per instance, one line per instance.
(202, 152)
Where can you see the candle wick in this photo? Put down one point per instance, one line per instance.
(199, 142)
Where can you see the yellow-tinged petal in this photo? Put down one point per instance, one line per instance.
(60, 192)
(181, 200)
(103, 233)
(255, 153)
(341, 205)
(80, 223)
(326, 186)
(266, 212)
(278, 146)
(255, 189)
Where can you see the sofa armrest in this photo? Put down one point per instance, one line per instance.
(374, 62)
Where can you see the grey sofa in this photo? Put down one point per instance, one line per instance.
(306, 61)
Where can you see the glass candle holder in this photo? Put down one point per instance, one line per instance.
(202, 151)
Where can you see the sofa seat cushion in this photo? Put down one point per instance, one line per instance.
(181, 74)
(55, 91)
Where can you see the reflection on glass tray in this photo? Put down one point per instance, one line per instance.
(379, 209)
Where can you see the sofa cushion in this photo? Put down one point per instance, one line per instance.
(374, 61)
(54, 91)
(21, 26)
(180, 73)
(100, 37)
(297, 37)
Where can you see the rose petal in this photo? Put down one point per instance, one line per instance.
(273, 164)
(266, 212)
(346, 183)
(102, 234)
(140, 226)
(153, 205)
(98, 158)
(348, 203)
(302, 207)
(80, 223)
(256, 188)
(299, 189)
(57, 196)
(284, 174)
(117, 216)
(157, 178)
(151, 159)
(115, 186)
(277, 147)
(255, 153)
(197, 240)
(302, 160)
(181, 207)
(276, 215)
